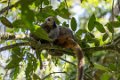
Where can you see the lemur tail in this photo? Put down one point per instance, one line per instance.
(80, 57)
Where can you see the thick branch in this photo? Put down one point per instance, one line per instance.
(111, 46)
(9, 36)
(14, 45)
(49, 47)
(99, 48)
(6, 36)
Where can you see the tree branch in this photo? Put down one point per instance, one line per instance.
(114, 45)
(99, 48)
(9, 36)
(111, 46)
(67, 61)
(53, 73)
(14, 45)
(8, 7)
(6, 36)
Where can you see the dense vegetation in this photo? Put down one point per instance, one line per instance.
(96, 27)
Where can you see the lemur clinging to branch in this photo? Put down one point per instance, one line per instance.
(64, 37)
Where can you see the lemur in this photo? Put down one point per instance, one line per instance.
(64, 37)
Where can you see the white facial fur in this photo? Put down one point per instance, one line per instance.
(50, 21)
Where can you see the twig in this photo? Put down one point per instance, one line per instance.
(2, 66)
(118, 5)
(9, 7)
(67, 61)
(66, 4)
(41, 64)
(5, 74)
(38, 53)
(113, 10)
(53, 73)
(81, 1)
(112, 17)
(41, 6)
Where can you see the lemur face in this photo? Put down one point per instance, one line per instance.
(50, 21)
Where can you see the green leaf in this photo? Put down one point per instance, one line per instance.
(91, 23)
(36, 77)
(62, 5)
(46, 2)
(92, 35)
(39, 32)
(112, 66)
(118, 18)
(115, 24)
(89, 37)
(100, 27)
(73, 24)
(6, 22)
(80, 31)
(105, 76)
(31, 66)
(100, 67)
(110, 27)
(105, 36)
(16, 57)
(63, 11)
(14, 73)
(46, 12)
(12, 64)
(3, 1)
(29, 70)
(19, 24)
(96, 42)
(65, 24)
(35, 30)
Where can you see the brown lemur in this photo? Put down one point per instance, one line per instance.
(64, 37)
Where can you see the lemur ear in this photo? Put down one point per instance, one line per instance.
(54, 25)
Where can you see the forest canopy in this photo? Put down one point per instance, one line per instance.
(94, 23)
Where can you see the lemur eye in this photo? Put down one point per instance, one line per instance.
(48, 19)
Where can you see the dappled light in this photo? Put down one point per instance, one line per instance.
(59, 39)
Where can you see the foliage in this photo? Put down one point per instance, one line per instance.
(24, 63)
